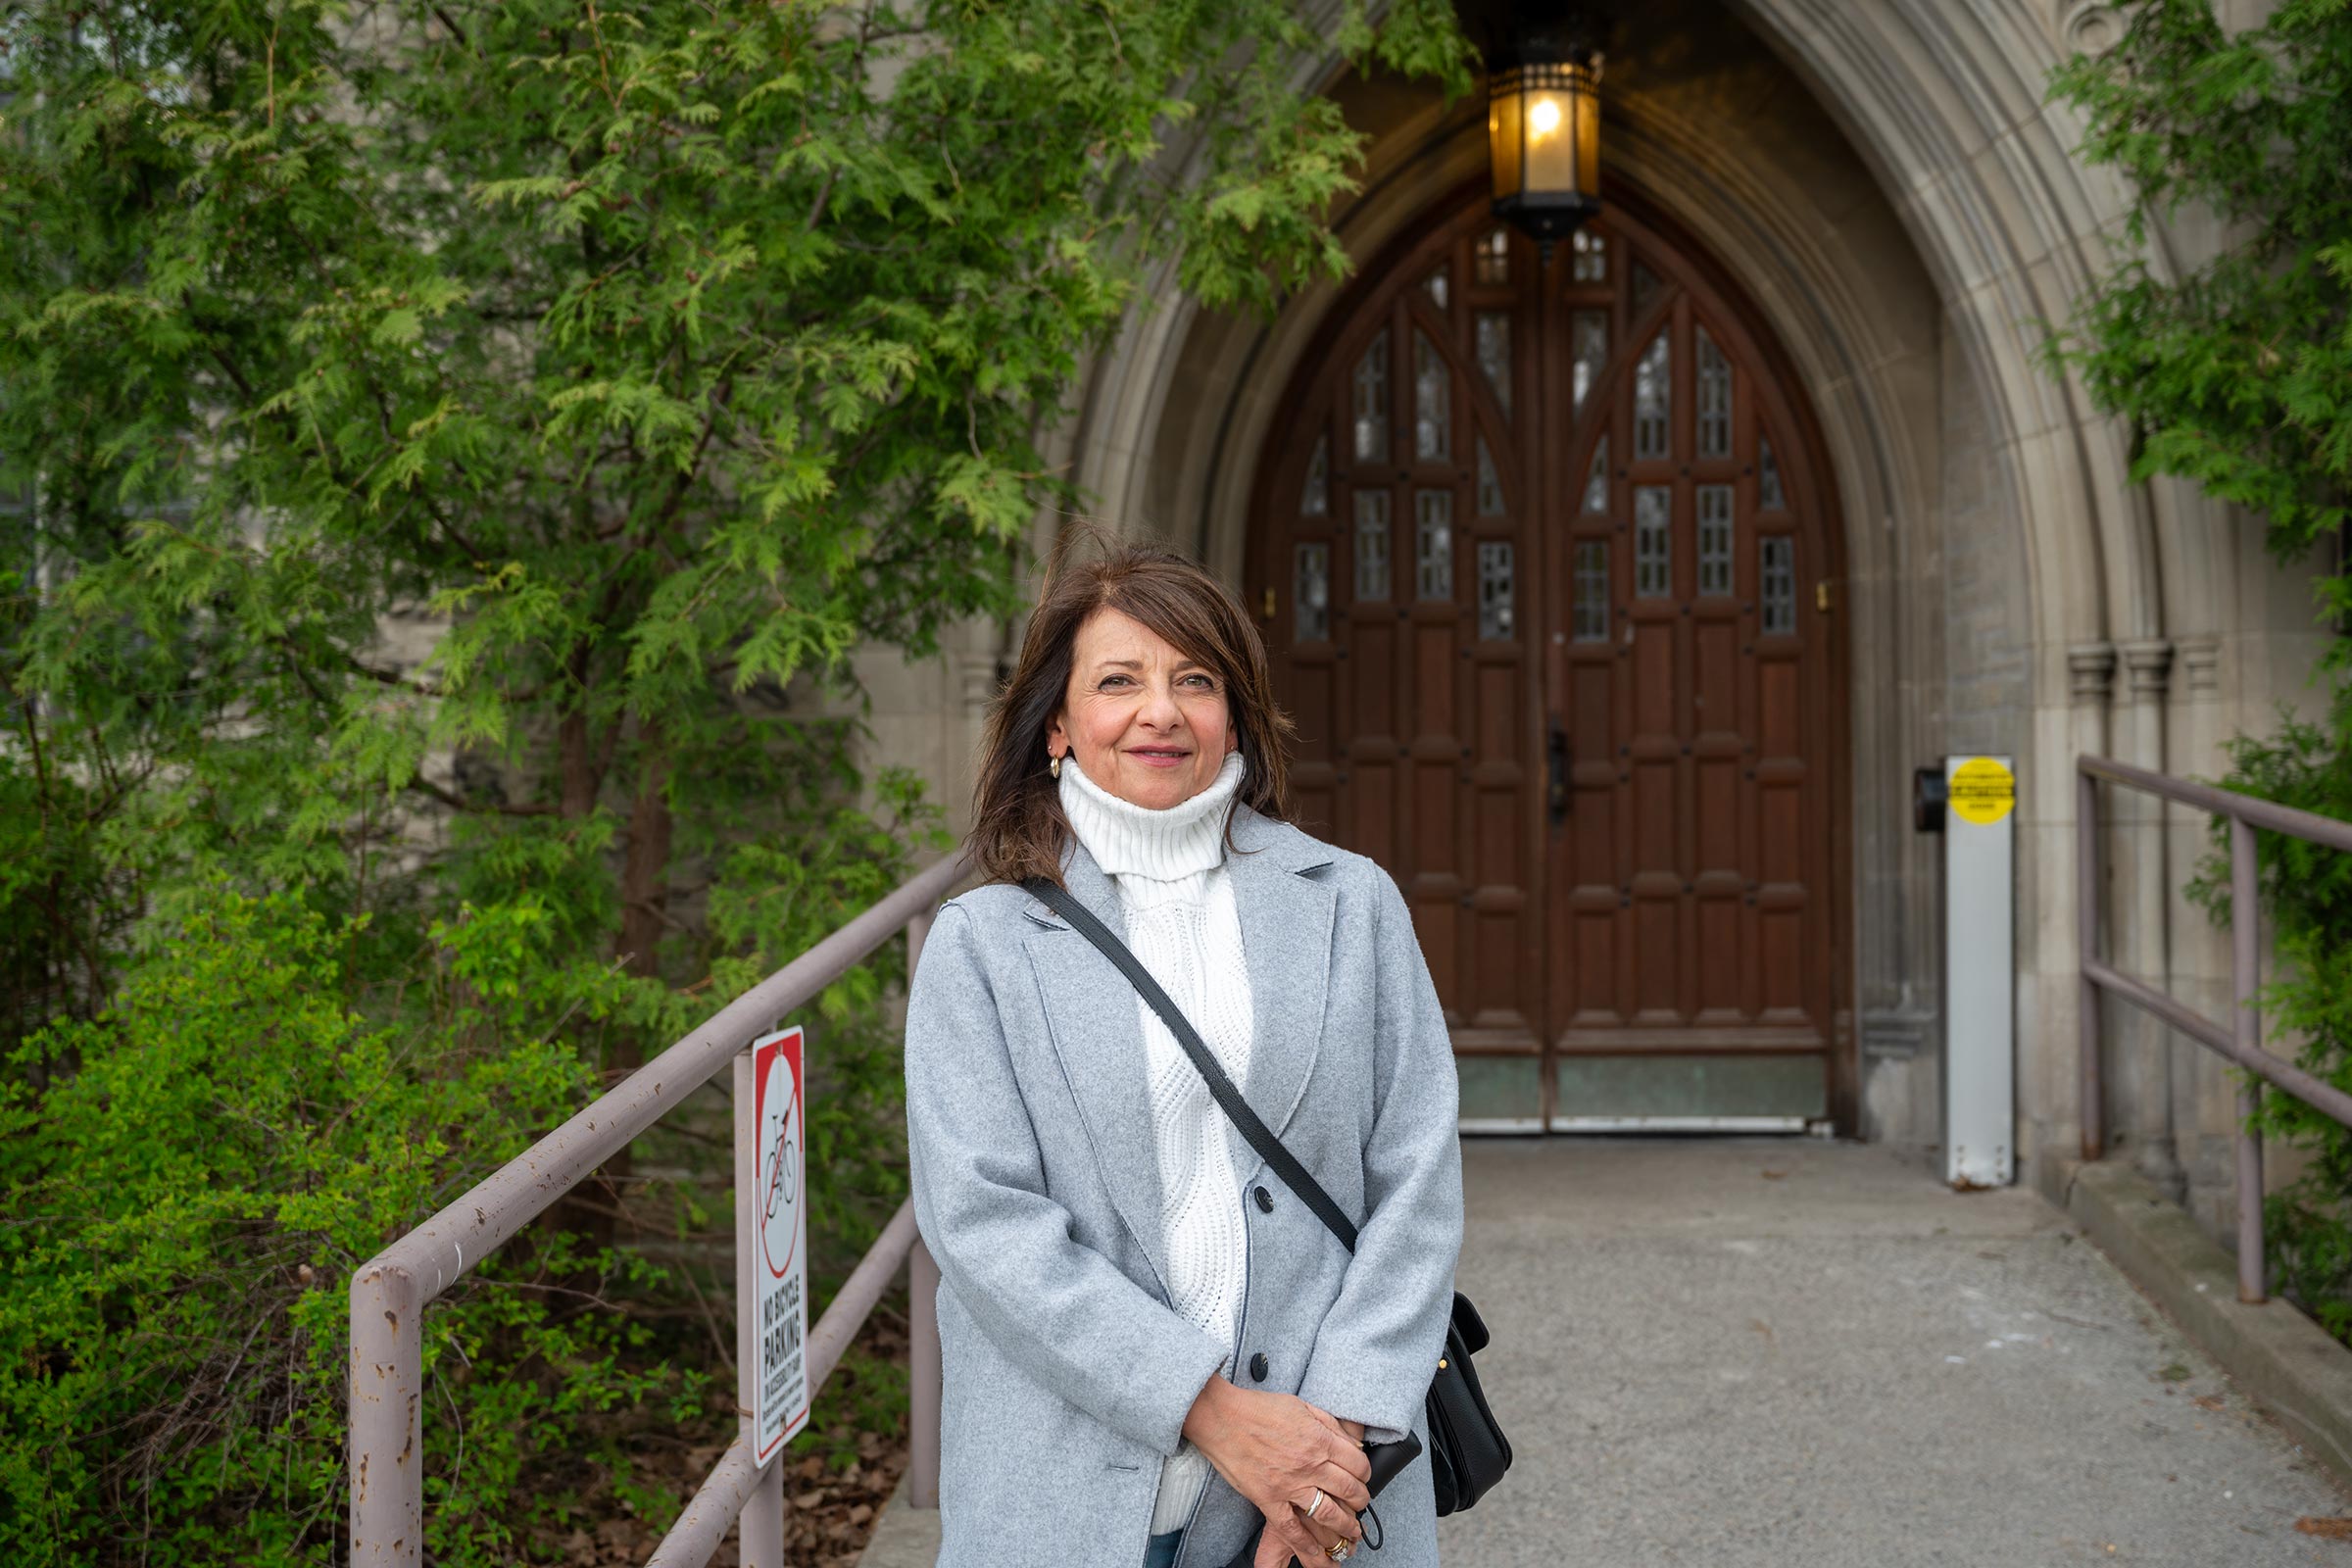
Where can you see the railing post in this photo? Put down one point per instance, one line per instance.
(925, 1377)
(918, 931)
(2088, 1089)
(387, 1420)
(762, 1522)
(2245, 979)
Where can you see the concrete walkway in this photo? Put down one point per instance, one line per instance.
(1767, 1354)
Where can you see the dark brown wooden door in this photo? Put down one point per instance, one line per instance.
(1544, 576)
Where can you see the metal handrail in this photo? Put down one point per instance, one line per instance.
(389, 1292)
(2241, 1040)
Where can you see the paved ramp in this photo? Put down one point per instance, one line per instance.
(1786, 1353)
(1758, 1353)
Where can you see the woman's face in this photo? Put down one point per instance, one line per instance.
(1146, 724)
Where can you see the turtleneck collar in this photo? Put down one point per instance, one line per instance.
(1130, 840)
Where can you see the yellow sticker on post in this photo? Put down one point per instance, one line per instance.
(1983, 791)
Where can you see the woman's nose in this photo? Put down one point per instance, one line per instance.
(1160, 708)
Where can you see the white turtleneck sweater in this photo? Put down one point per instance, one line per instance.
(1182, 923)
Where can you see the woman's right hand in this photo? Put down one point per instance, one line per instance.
(1277, 1450)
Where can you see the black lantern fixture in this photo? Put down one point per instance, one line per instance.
(1544, 132)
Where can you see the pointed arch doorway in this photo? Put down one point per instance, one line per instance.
(1547, 564)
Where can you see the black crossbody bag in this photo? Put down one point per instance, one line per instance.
(1467, 1451)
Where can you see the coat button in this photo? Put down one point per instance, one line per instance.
(1265, 1201)
(1258, 1366)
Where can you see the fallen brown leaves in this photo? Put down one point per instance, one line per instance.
(2335, 1529)
(828, 1513)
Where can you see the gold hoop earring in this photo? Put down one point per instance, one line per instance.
(1054, 767)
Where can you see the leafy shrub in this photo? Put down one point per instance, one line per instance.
(182, 1216)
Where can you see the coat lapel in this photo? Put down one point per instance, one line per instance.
(1286, 945)
(1099, 1037)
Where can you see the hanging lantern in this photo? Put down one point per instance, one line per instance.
(1543, 139)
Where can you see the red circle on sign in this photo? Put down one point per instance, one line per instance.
(772, 1154)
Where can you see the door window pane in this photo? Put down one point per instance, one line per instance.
(1372, 402)
(1768, 480)
(1597, 480)
(1490, 484)
(1653, 398)
(1371, 546)
(1315, 497)
(1432, 403)
(1778, 571)
(1494, 588)
(1588, 346)
(1495, 352)
(1715, 539)
(1714, 398)
(1653, 541)
(1310, 593)
(1591, 257)
(1432, 543)
(1645, 290)
(1491, 257)
(1590, 621)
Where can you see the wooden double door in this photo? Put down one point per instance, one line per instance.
(1545, 565)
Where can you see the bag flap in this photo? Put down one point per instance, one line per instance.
(1469, 1325)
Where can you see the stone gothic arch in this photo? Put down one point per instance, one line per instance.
(1899, 197)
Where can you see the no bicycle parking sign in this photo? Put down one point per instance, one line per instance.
(779, 1236)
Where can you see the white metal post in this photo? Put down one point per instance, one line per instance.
(1980, 972)
(762, 1517)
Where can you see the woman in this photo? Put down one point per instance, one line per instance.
(1153, 1346)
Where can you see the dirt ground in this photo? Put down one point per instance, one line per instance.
(828, 1513)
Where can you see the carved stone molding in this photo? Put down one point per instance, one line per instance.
(2201, 666)
(2150, 664)
(1897, 1032)
(2088, 27)
(976, 682)
(2090, 671)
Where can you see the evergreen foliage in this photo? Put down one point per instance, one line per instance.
(2237, 375)
(447, 454)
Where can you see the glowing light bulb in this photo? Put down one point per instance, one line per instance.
(1545, 119)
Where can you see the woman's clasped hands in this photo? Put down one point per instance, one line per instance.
(1303, 1468)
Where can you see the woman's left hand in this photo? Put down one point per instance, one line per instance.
(1272, 1553)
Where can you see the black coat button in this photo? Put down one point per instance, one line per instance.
(1258, 1366)
(1265, 1201)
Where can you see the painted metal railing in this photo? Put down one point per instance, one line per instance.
(390, 1291)
(2240, 1041)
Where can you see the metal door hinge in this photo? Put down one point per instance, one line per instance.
(1269, 610)
(1821, 596)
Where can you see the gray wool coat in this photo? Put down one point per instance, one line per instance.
(1068, 1376)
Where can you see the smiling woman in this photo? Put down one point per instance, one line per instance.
(1144, 720)
(1155, 1353)
(1142, 669)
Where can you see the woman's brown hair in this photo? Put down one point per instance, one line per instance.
(1018, 828)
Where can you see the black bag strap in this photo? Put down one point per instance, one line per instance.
(1259, 1136)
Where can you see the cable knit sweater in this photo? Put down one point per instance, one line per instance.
(1169, 869)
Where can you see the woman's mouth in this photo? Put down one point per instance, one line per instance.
(1158, 756)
